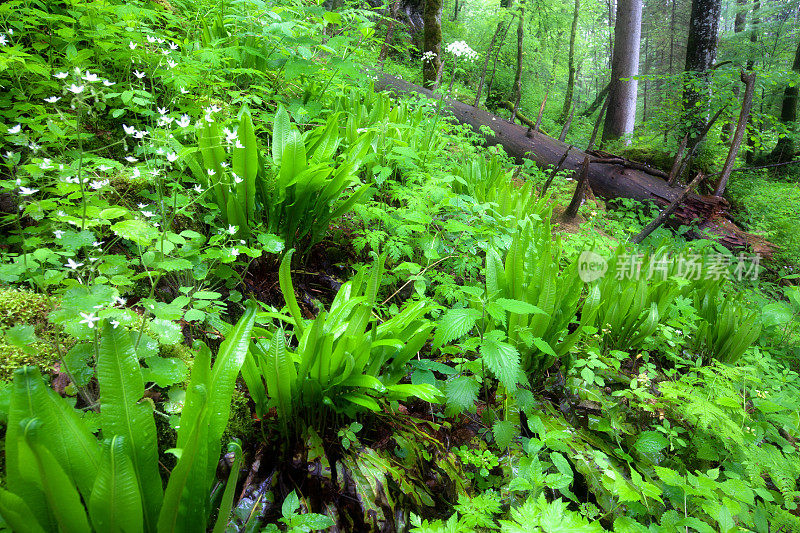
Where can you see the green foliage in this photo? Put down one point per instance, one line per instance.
(299, 522)
(53, 460)
(343, 360)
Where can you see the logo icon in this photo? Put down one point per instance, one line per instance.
(591, 266)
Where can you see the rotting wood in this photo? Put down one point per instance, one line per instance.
(607, 181)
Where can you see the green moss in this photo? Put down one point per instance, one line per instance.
(240, 424)
(22, 307)
(12, 358)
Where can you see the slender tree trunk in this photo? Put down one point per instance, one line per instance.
(749, 81)
(625, 66)
(784, 150)
(486, 62)
(456, 9)
(497, 55)
(518, 75)
(738, 27)
(672, 37)
(432, 56)
(571, 66)
(598, 101)
(577, 198)
(701, 53)
(644, 85)
(597, 123)
(389, 34)
(750, 150)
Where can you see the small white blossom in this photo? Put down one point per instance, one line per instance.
(60, 75)
(72, 264)
(77, 89)
(98, 184)
(91, 78)
(198, 189)
(172, 157)
(9, 154)
(232, 229)
(3, 40)
(45, 164)
(151, 39)
(130, 130)
(141, 206)
(119, 301)
(184, 90)
(109, 83)
(114, 323)
(97, 244)
(52, 99)
(148, 214)
(239, 144)
(58, 233)
(132, 45)
(234, 252)
(184, 121)
(89, 319)
(15, 129)
(131, 159)
(138, 74)
(236, 179)
(173, 46)
(33, 146)
(162, 110)
(104, 168)
(211, 171)
(136, 173)
(25, 191)
(171, 63)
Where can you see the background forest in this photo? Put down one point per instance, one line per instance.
(525, 266)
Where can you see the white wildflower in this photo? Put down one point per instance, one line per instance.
(172, 157)
(60, 75)
(25, 191)
(15, 129)
(138, 74)
(52, 99)
(72, 264)
(77, 89)
(89, 319)
(58, 233)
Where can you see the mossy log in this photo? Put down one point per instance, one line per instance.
(608, 180)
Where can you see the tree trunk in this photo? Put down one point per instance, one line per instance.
(598, 101)
(571, 66)
(739, 22)
(432, 47)
(749, 81)
(701, 53)
(622, 94)
(496, 56)
(518, 75)
(784, 150)
(389, 34)
(607, 180)
(597, 123)
(750, 151)
(486, 62)
(456, 9)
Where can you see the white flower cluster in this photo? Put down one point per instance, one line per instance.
(428, 56)
(462, 49)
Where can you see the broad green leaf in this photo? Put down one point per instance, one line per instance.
(280, 134)
(462, 392)
(116, 504)
(17, 514)
(138, 231)
(504, 432)
(519, 307)
(123, 412)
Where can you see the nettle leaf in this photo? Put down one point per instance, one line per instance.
(454, 324)
(503, 360)
(543, 346)
(168, 332)
(504, 432)
(462, 392)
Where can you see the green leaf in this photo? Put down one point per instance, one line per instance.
(462, 392)
(543, 346)
(124, 413)
(164, 371)
(225, 505)
(138, 231)
(21, 335)
(116, 504)
(280, 134)
(285, 279)
(503, 360)
(504, 432)
(650, 443)
(455, 324)
(17, 514)
(290, 505)
(168, 332)
(519, 307)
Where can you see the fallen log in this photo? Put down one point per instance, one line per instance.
(608, 180)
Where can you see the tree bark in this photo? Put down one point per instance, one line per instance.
(784, 150)
(597, 123)
(750, 150)
(739, 23)
(387, 42)
(577, 198)
(432, 47)
(664, 215)
(598, 101)
(518, 75)
(701, 53)
(749, 81)
(496, 56)
(607, 181)
(486, 62)
(571, 76)
(621, 112)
